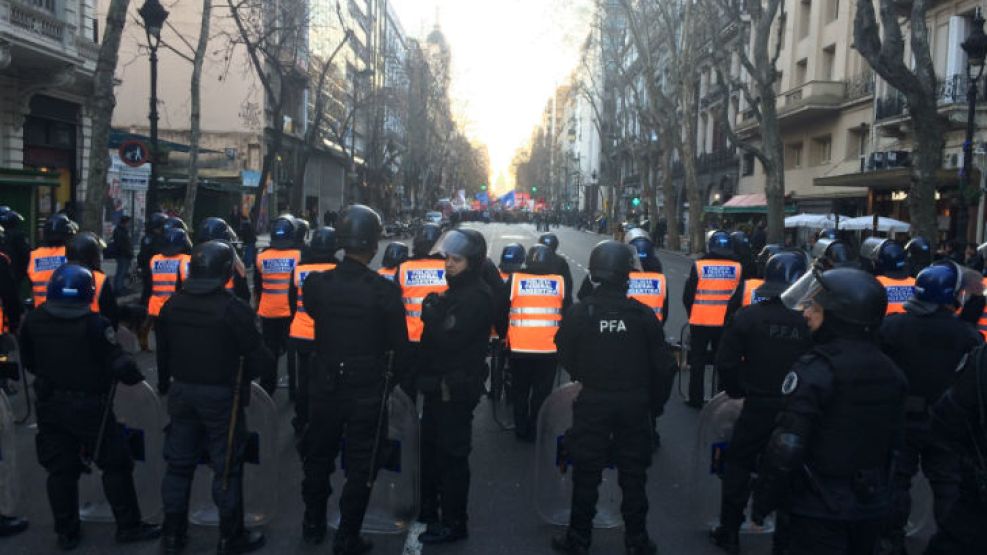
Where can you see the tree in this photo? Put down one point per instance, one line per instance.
(102, 105)
(195, 128)
(883, 46)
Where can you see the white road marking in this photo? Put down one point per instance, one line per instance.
(513, 237)
(411, 545)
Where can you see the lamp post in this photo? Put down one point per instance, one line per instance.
(975, 47)
(154, 15)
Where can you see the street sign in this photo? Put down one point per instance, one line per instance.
(134, 153)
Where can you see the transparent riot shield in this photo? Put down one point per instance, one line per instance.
(921, 519)
(716, 422)
(260, 473)
(500, 386)
(15, 380)
(9, 490)
(141, 419)
(396, 492)
(553, 466)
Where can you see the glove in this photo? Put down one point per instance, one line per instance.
(431, 307)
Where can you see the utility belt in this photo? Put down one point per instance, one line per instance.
(363, 371)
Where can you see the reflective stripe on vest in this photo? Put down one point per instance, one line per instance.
(165, 274)
(649, 289)
(100, 278)
(536, 312)
(718, 280)
(387, 273)
(750, 296)
(417, 279)
(302, 325)
(982, 324)
(43, 261)
(899, 291)
(276, 266)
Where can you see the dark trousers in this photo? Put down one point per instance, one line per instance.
(817, 536)
(332, 416)
(751, 434)
(120, 277)
(275, 334)
(200, 423)
(610, 427)
(68, 425)
(531, 381)
(447, 439)
(703, 342)
(300, 353)
(963, 529)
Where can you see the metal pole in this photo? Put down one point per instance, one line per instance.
(961, 216)
(980, 205)
(152, 186)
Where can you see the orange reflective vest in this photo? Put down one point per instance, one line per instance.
(166, 272)
(276, 267)
(387, 273)
(504, 277)
(899, 291)
(749, 295)
(302, 325)
(982, 324)
(417, 279)
(718, 281)
(43, 261)
(536, 312)
(648, 288)
(100, 278)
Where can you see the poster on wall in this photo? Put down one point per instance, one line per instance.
(126, 194)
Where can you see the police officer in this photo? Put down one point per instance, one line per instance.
(649, 286)
(18, 247)
(928, 342)
(57, 230)
(758, 348)
(842, 421)
(616, 348)
(395, 253)
(511, 260)
(86, 250)
(166, 268)
(918, 255)
(75, 358)
(454, 348)
(712, 282)
(559, 265)
(533, 305)
(958, 417)
(11, 307)
(833, 253)
(746, 294)
(174, 222)
(150, 245)
(208, 344)
(358, 322)
(274, 285)
(320, 256)
(886, 260)
(216, 229)
(741, 244)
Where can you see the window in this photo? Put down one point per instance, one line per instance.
(805, 17)
(857, 141)
(828, 62)
(748, 166)
(801, 70)
(778, 82)
(822, 150)
(832, 10)
(793, 156)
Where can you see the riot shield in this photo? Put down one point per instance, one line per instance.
(500, 386)
(553, 466)
(9, 490)
(396, 492)
(141, 420)
(260, 471)
(716, 423)
(921, 519)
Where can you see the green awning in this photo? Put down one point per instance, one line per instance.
(28, 178)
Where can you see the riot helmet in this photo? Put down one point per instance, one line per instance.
(540, 259)
(645, 249)
(10, 218)
(174, 222)
(85, 249)
(3, 237)
(550, 240)
(940, 283)
(512, 258)
(301, 231)
(210, 266)
(885, 256)
(918, 254)
(214, 229)
(780, 272)
(425, 239)
(741, 244)
(359, 229)
(828, 233)
(766, 253)
(176, 242)
(58, 229)
(849, 296)
(71, 290)
(283, 233)
(718, 244)
(833, 253)
(467, 243)
(635, 234)
(155, 222)
(322, 248)
(612, 262)
(395, 253)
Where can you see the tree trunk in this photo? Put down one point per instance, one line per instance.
(103, 103)
(671, 200)
(195, 129)
(274, 148)
(648, 174)
(774, 171)
(927, 159)
(688, 151)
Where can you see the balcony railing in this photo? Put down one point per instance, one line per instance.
(707, 162)
(953, 89)
(891, 106)
(860, 86)
(35, 17)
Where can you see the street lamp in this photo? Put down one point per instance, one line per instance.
(154, 15)
(975, 47)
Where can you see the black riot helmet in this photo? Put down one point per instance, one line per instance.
(852, 298)
(155, 222)
(780, 272)
(918, 255)
(718, 244)
(550, 240)
(832, 253)
(176, 241)
(10, 218)
(741, 244)
(322, 248)
(214, 229)
(884, 256)
(395, 253)
(512, 258)
(425, 239)
(358, 230)
(467, 243)
(612, 262)
(174, 222)
(210, 266)
(58, 229)
(283, 233)
(766, 253)
(540, 259)
(301, 231)
(85, 249)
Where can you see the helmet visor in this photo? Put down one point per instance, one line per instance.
(454, 243)
(803, 292)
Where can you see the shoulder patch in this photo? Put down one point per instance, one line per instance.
(111, 335)
(790, 384)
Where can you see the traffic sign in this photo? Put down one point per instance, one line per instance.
(134, 153)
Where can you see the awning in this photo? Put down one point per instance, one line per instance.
(754, 203)
(28, 178)
(897, 178)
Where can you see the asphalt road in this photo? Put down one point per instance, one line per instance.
(502, 515)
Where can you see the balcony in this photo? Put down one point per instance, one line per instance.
(40, 37)
(951, 91)
(811, 100)
(709, 162)
(860, 86)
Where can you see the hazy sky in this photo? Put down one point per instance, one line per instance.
(507, 57)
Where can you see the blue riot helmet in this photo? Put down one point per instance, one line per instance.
(939, 283)
(883, 256)
(10, 218)
(176, 241)
(214, 229)
(512, 258)
(155, 222)
(174, 222)
(781, 271)
(550, 240)
(741, 244)
(718, 244)
(71, 290)
(647, 254)
(283, 233)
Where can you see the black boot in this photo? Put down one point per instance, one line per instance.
(444, 533)
(174, 533)
(314, 533)
(727, 539)
(344, 544)
(244, 542)
(640, 545)
(571, 543)
(11, 526)
(429, 515)
(67, 541)
(142, 532)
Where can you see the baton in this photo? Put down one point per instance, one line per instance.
(229, 434)
(110, 396)
(380, 419)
